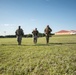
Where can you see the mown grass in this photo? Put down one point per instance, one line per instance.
(56, 58)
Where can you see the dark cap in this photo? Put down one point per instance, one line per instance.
(47, 25)
(35, 28)
(19, 27)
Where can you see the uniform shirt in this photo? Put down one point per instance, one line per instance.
(35, 32)
(19, 32)
(47, 30)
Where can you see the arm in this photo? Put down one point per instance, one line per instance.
(45, 30)
(16, 32)
(22, 32)
(50, 29)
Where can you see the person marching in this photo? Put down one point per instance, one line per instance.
(47, 32)
(35, 35)
(19, 33)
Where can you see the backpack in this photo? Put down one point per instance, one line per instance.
(48, 30)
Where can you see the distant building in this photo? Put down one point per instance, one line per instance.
(65, 32)
(73, 32)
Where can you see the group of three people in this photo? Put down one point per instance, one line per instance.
(19, 33)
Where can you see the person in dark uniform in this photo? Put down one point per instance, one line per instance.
(19, 33)
(35, 35)
(47, 32)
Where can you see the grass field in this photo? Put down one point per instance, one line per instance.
(56, 58)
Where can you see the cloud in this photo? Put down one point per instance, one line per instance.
(7, 25)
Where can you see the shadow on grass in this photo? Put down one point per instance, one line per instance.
(8, 44)
(25, 45)
(37, 44)
(51, 44)
(60, 43)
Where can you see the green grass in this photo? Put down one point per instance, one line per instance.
(56, 58)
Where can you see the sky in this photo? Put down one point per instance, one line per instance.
(31, 14)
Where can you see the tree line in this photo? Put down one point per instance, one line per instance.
(26, 35)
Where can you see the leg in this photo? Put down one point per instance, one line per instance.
(19, 40)
(35, 41)
(47, 39)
